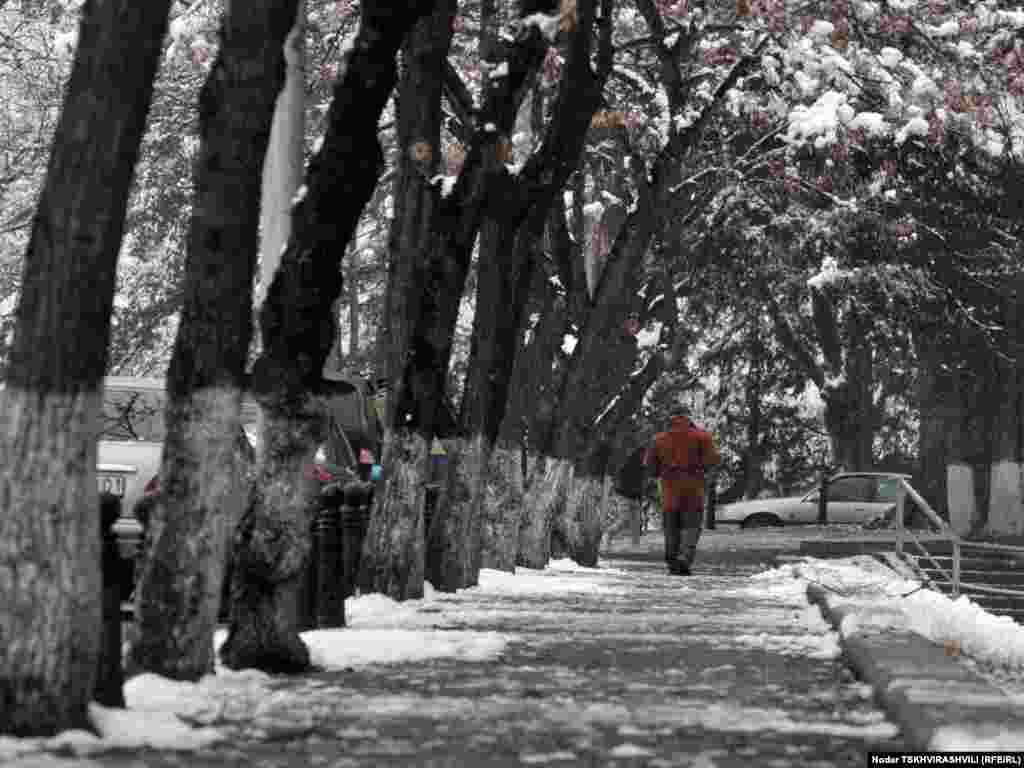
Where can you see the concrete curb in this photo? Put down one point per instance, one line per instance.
(938, 702)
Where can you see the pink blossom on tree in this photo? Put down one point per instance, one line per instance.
(823, 183)
(953, 95)
(857, 136)
(721, 55)
(343, 8)
(791, 184)
(984, 114)
(806, 22)
(904, 229)
(1016, 84)
(936, 130)
(968, 24)
(599, 241)
(200, 54)
(458, 25)
(677, 10)
(759, 120)
(840, 152)
(328, 71)
(552, 66)
(888, 167)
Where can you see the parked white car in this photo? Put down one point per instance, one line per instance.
(852, 497)
(132, 441)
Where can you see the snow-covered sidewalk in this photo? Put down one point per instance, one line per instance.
(563, 666)
(947, 669)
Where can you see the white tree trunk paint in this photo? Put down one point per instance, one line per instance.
(283, 166)
(544, 499)
(963, 511)
(283, 163)
(1006, 498)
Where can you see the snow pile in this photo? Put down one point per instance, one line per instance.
(64, 43)
(546, 23)
(884, 600)
(169, 714)
(829, 274)
(561, 576)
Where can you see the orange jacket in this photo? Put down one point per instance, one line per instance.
(679, 457)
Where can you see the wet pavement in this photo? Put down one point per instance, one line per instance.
(625, 666)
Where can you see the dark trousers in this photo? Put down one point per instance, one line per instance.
(682, 526)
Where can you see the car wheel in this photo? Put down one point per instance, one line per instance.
(761, 520)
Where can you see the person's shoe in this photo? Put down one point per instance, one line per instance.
(675, 569)
(684, 570)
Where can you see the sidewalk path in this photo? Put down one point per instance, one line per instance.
(619, 666)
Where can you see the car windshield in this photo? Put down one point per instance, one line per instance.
(133, 414)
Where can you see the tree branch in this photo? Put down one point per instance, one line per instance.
(784, 333)
(461, 101)
(824, 314)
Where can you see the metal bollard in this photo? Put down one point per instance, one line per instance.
(433, 491)
(330, 598)
(307, 589)
(355, 517)
(109, 689)
(712, 503)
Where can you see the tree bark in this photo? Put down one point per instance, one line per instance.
(203, 481)
(298, 331)
(502, 511)
(394, 550)
(282, 169)
(753, 469)
(508, 242)
(353, 305)
(601, 360)
(936, 418)
(50, 529)
(582, 389)
(1006, 485)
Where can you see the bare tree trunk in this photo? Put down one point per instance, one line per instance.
(937, 421)
(1006, 486)
(582, 513)
(502, 510)
(601, 361)
(753, 469)
(203, 481)
(282, 170)
(507, 260)
(298, 331)
(393, 558)
(50, 408)
(543, 501)
(353, 304)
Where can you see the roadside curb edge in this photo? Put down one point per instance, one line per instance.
(935, 700)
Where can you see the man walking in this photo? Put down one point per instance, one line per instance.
(680, 458)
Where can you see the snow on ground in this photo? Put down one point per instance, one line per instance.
(169, 714)
(887, 601)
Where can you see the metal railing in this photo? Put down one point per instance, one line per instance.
(958, 544)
